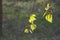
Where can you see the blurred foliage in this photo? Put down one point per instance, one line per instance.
(16, 15)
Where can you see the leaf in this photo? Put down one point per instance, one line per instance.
(26, 31)
(47, 7)
(32, 27)
(32, 18)
(49, 18)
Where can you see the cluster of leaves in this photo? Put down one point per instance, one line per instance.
(48, 17)
(32, 26)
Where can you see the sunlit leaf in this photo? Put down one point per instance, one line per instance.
(32, 18)
(48, 17)
(26, 30)
(32, 27)
(47, 7)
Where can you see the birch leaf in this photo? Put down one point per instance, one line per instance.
(33, 27)
(26, 31)
(32, 18)
(49, 18)
(47, 7)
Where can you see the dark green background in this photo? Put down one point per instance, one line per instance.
(16, 15)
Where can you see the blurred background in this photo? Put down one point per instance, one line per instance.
(16, 14)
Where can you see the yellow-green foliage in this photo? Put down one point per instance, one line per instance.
(32, 18)
(47, 16)
(32, 26)
(47, 7)
(26, 30)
